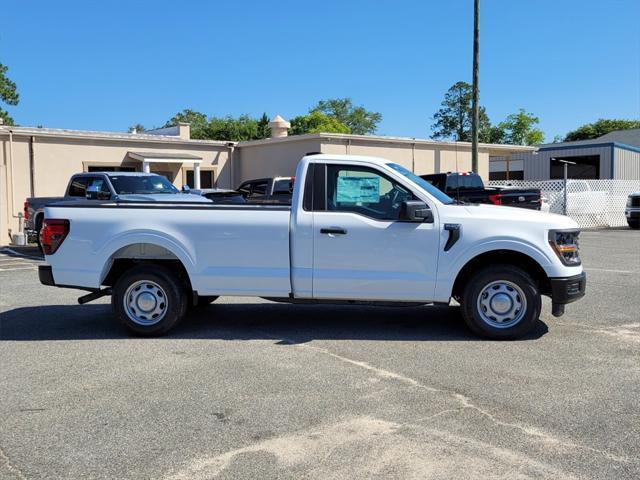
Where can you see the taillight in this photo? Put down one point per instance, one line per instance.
(26, 210)
(496, 199)
(52, 234)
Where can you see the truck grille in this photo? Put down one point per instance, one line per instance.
(635, 201)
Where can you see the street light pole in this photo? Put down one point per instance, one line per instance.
(474, 105)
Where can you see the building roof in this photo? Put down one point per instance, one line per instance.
(162, 156)
(628, 137)
(385, 139)
(621, 138)
(101, 135)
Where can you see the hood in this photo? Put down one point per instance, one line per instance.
(513, 214)
(164, 197)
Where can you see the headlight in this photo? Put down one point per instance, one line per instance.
(565, 244)
(629, 202)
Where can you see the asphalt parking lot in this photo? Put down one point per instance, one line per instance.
(252, 389)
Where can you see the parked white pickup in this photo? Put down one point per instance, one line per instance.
(359, 229)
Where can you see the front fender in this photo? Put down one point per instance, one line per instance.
(452, 262)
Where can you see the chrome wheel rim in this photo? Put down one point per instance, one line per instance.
(502, 304)
(145, 303)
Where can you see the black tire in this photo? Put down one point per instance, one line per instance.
(501, 277)
(170, 299)
(634, 224)
(205, 301)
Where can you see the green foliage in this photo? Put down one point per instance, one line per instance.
(138, 127)
(599, 128)
(198, 121)
(233, 129)
(359, 120)
(519, 129)
(453, 119)
(8, 94)
(222, 128)
(263, 127)
(492, 134)
(317, 122)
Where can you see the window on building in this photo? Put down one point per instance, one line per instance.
(513, 175)
(587, 167)
(206, 179)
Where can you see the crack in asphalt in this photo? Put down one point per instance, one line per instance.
(463, 400)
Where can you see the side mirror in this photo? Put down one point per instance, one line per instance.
(186, 188)
(416, 211)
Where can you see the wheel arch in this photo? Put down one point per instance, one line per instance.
(505, 257)
(133, 254)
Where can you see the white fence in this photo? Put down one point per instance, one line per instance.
(591, 203)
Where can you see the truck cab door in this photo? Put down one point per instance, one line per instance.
(363, 247)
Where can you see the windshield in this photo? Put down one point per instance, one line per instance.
(143, 184)
(444, 198)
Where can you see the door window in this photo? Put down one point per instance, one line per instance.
(365, 191)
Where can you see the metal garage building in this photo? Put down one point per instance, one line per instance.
(615, 155)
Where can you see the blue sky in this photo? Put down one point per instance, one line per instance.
(107, 65)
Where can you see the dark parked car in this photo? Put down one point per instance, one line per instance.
(632, 212)
(119, 186)
(468, 187)
(268, 190)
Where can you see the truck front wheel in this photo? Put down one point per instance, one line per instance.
(501, 302)
(149, 300)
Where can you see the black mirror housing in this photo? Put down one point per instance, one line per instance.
(416, 211)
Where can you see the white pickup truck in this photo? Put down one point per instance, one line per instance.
(359, 230)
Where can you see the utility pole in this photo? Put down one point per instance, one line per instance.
(474, 103)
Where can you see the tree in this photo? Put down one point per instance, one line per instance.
(317, 122)
(138, 127)
(519, 129)
(198, 121)
(233, 129)
(359, 120)
(8, 94)
(492, 134)
(599, 128)
(453, 119)
(263, 127)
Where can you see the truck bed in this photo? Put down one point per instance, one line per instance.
(202, 233)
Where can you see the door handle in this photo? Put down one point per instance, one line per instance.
(333, 231)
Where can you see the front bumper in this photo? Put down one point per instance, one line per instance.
(566, 290)
(632, 213)
(45, 274)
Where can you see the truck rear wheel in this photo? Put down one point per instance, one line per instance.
(149, 300)
(501, 302)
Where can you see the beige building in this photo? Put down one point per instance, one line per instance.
(39, 161)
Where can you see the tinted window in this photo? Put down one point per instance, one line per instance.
(258, 189)
(143, 184)
(98, 182)
(78, 187)
(364, 191)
